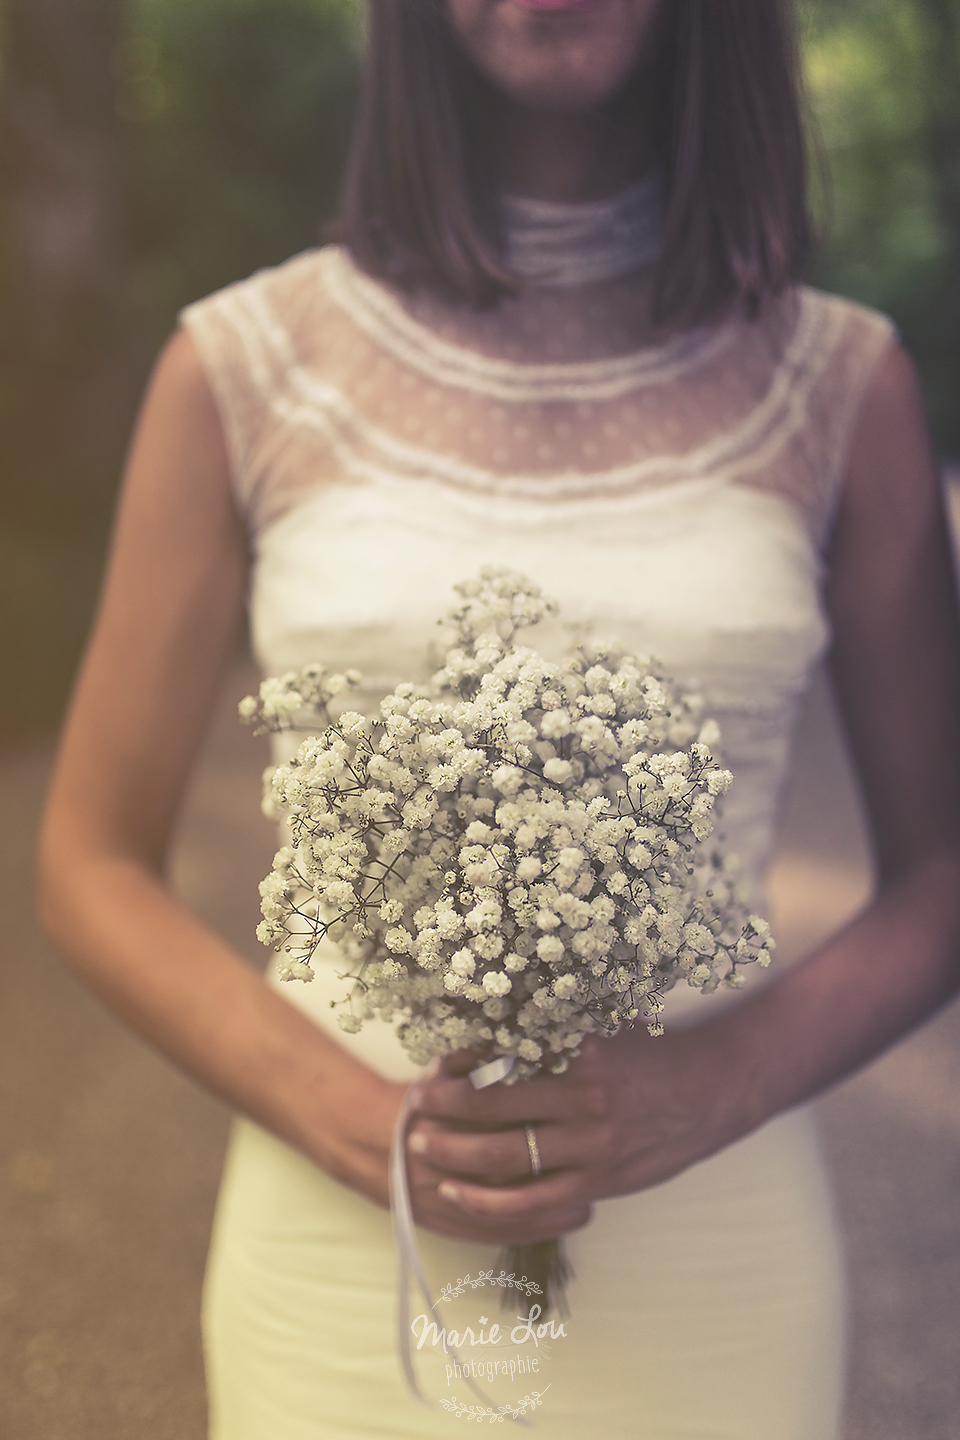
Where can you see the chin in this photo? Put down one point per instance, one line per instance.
(562, 90)
(562, 77)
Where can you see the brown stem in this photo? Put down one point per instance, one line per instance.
(545, 1263)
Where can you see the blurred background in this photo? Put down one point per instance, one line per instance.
(151, 151)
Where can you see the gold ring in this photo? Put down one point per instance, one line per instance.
(534, 1149)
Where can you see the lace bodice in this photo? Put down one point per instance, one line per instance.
(676, 493)
(326, 377)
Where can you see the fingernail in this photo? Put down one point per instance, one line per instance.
(417, 1143)
(448, 1191)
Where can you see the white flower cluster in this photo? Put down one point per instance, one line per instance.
(282, 700)
(514, 858)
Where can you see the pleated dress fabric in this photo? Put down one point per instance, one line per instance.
(675, 494)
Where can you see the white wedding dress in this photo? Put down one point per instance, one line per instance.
(676, 494)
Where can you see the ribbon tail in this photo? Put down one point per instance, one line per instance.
(409, 1262)
(408, 1254)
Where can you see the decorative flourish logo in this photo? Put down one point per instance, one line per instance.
(498, 1416)
(487, 1277)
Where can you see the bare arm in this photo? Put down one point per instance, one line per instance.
(896, 669)
(166, 627)
(633, 1111)
(167, 623)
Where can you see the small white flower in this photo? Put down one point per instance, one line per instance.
(550, 949)
(521, 732)
(558, 772)
(554, 724)
(289, 969)
(718, 781)
(547, 920)
(398, 940)
(488, 946)
(352, 723)
(449, 924)
(463, 963)
(508, 779)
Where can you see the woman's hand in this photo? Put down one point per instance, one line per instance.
(354, 1113)
(629, 1113)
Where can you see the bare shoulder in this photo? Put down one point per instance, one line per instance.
(166, 624)
(891, 469)
(892, 601)
(177, 519)
(180, 419)
(891, 527)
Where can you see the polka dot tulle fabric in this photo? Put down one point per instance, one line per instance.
(562, 392)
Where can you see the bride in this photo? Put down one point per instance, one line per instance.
(563, 332)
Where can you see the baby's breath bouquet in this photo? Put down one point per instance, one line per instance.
(512, 857)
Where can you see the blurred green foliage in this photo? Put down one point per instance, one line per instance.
(239, 115)
(884, 84)
(235, 118)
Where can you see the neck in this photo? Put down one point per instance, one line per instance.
(569, 157)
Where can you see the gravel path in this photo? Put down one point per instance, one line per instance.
(109, 1159)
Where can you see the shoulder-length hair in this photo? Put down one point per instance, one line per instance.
(418, 205)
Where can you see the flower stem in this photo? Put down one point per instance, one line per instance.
(545, 1263)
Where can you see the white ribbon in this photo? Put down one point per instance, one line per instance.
(408, 1252)
(483, 1075)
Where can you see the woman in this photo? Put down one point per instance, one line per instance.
(563, 333)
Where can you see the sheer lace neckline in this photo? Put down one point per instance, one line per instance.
(450, 345)
(549, 243)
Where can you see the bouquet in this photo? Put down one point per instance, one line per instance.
(512, 857)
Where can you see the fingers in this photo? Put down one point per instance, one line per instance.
(496, 1158)
(549, 1206)
(497, 1217)
(454, 1100)
(507, 1206)
(502, 1157)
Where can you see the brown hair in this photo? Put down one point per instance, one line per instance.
(418, 204)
